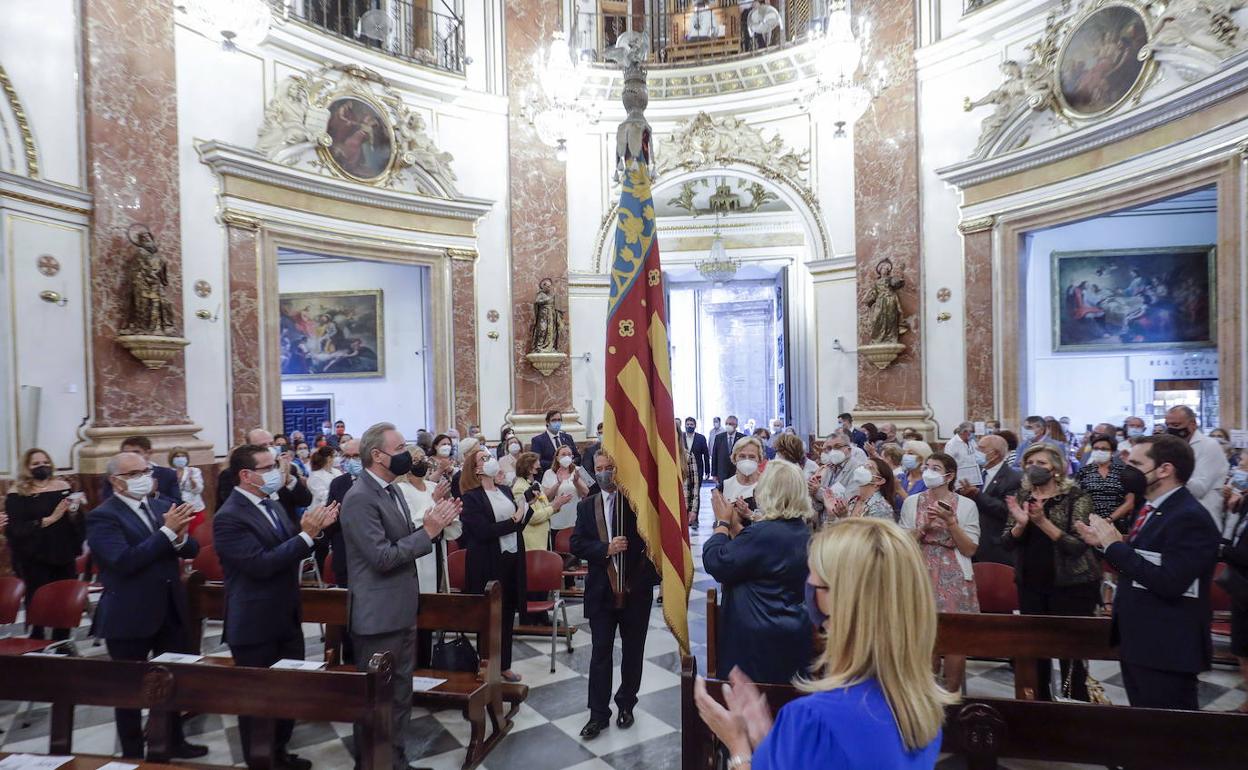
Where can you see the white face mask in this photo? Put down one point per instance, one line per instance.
(747, 467)
(510, 476)
(491, 467)
(833, 457)
(565, 461)
(862, 475)
(933, 479)
(1099, 456)
(141, 487)
(513, 449)
(444, 450)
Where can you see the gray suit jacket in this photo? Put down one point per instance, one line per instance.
(382, 548)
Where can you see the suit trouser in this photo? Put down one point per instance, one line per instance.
(633, 621)
(1065, 600)
(402, 646)
(263, 655)
(170, 637)
(1157, 689)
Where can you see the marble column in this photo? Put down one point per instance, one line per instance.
(246, 361)
(131, 140)
(539, 230)
(977, 264)
(467, 410)
(886, 211)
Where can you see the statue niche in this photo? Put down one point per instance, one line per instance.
(149, 330)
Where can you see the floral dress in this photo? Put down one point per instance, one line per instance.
(954, 593)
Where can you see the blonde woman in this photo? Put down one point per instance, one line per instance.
(747, 456)
(913, 455)
(873, 702)
(763, 627)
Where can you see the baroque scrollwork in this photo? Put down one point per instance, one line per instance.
(297, 131)
(706, 142)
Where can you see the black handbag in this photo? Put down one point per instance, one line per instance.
(456, 655)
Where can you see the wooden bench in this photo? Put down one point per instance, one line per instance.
(477, 694)
(267, 695)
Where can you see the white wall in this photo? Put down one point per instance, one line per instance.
(401, 396)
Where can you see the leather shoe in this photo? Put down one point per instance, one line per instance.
(624, 720)
(292, 762)
(186, 750)
(592, 728)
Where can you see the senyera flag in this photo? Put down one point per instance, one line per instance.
(639, 430)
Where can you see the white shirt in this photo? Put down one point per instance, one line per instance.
(608, 511)
(1153, 505)
(318, 485)
(192, 487)
(147, 523)
(1209, 476)
(255, 500)
(566, 516)
(504, 509)
(420, 502)
(968, 520)
(991, 473)
(962, 451)
(734, 489)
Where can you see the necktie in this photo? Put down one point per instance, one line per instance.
(154, 522)
(267, 504)
(1139, 522)
(397, 497)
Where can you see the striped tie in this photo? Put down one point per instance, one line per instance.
(1139, 522)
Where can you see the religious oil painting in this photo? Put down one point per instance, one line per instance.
(1134, 299)
(1100, 66)
(332, 335)
(362, 146)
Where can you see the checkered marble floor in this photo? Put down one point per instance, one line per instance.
(547, 727)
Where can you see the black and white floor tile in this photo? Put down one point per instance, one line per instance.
(547, 727)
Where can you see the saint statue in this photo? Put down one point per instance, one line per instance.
(885, 315)
(148, 312)
(547, 319)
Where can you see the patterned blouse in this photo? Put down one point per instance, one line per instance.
(1106, 491)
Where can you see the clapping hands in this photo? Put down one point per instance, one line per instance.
(747, 719)
(178, 518)
(440, 516)
(316, 520)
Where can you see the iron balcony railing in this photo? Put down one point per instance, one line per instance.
(400, 28)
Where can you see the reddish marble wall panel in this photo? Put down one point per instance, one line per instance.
(131, 133)
(538, 209)
(977, 251)
(886, 199)
(246, 365)
(464, 344)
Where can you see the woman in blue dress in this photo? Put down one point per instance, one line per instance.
(873, 702)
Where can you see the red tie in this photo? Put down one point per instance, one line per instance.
(1139, 522)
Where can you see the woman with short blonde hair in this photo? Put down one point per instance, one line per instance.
(873, 699)
(747, 459)
(914, 455)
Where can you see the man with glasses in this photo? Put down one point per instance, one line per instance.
(165, 479)
(137, 541)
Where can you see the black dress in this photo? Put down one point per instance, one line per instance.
(486, 560)
(41, 554)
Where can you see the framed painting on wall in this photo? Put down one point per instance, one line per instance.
(332, 335)
(1099, 65)
(1134, 299)
(361, 139)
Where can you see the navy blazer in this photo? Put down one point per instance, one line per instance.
(261, 572)
(338, 489)
(1156, 626)
(700, 451)
(140, 571)
(166, 481)
(722, 466)
(545, 448)
(639, 573)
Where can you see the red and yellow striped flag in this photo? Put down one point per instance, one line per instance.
(639, 430)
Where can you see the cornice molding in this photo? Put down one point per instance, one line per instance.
(39, 192)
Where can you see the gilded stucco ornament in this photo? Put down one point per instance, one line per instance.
(703, 142)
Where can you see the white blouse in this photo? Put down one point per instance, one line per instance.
(318, 485)
(566, 516)
(504, 509)
(734, 489)
(968, 520)
(192, 487)
(419, 502)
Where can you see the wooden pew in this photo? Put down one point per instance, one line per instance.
(984, 730)
(477, 695)
(268, 695)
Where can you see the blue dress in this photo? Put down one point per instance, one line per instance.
(851, 728)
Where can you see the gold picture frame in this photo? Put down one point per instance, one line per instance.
(1104, 60)
(362, 145)
(331, 335)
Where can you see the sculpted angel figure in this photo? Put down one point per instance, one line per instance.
(1006, 98)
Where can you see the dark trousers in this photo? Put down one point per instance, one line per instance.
(264, 655)
(632, 621)
(171, 637)
(1156, 689)
(508, 578)
(36, 574)
(402, 646)
(1067, 600)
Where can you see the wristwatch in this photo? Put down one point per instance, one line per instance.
(738, 761)
(722, 523)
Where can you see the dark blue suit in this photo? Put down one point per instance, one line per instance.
(546, 447)
(338, 489)
(143, 607)
(1163, 637)
(722, 466)
(165, 479)
(701, 453)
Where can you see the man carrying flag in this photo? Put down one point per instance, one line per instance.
(633, 533)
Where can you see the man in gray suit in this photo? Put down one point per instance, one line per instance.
(382, 548)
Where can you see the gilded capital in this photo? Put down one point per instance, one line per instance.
(976, 225)
(237, 219)
(466, 255)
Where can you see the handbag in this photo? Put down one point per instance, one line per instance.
(456, 655)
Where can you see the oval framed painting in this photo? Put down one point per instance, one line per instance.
(1099, 65)
(361, 139)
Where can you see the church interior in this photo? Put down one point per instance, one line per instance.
(676, 240)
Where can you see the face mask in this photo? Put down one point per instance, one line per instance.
(513, 449)
(1039, 476)
(179, 462)
(747, 467)
(490, 468)
(605, 479)
(1239, 479)
(141, 487)
(1120, 438)
(565, 461)
(400, 463)
(303, 454)
(1099, 456)
(981, 458)
(861, 475)
(42, 473)
(732, 428)
(1179, 432)
(933, 479)
(474, 433)
(1135, 432)
(817, 618)
(838, 489)
(274, 451)
(353, 465)
(272, 481)
(556, 426)
(1065, 424)
(909, 462)
(690, 428)
(833, 457)
(420, 469)
(444, 450)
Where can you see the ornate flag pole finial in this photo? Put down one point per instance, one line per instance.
(632, 139)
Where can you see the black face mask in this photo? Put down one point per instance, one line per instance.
(400, 463)
(1039, 476)
(1180, 432)
(690, 429)
(420, 469)
(42, 473)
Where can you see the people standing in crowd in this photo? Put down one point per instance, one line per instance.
(444, 466)
(873, 701)
(541, 508)
(1101, 478)
(340, 434)
(1224, 440)
(323, 475)
(493, 520)
(505, 437)
(1035, 431)
(856, 437)
(190, 484)
(695, 444)
(352, 467)
(1209, 474)
(1085, 448)
(421, 496)
(946, 525)
(1001, 483)
(963, 448)
(293, 492)
(302, 459)
(165, 478)
(137, 542)
(613, 601)
(1161, 611)
(1135, 427)
(547, 443)
(747, 462)
(789, 447)
(763, 625)
(914, 455)
(764, 438)
(1056, 572)
(716, 429)
(509, 450)
(565, 479)
(721, 451)
(382, 547)
(1234, 551)
(888, 433)
(1057, 436)
(691, 479)
(876, 493)
(1011, 445)
(892, 455)
(260, 553)
(838, 460)
(587, 458)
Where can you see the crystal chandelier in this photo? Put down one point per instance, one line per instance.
(554, 107)
(837, 93)
(718, 267)
(234, 22)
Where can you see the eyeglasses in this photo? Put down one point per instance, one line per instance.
(135, 474)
